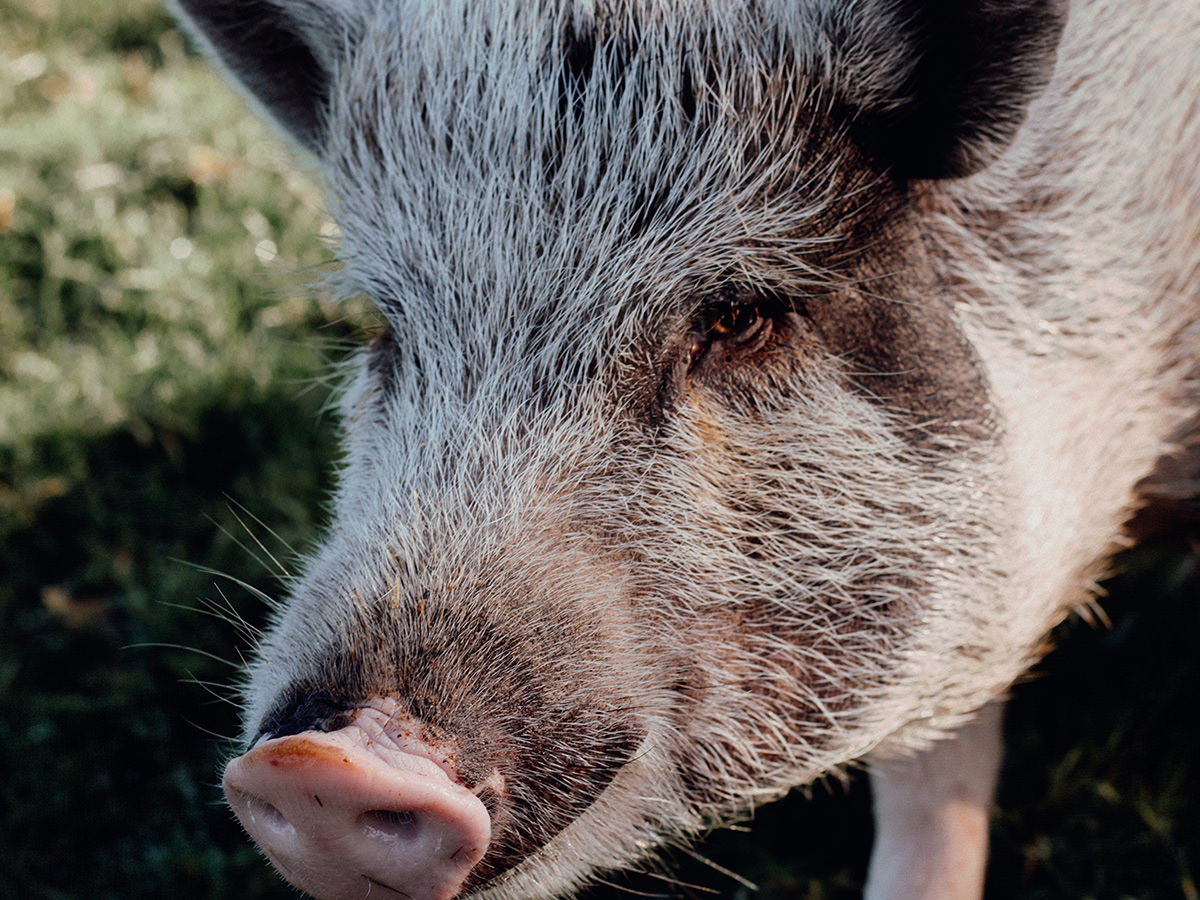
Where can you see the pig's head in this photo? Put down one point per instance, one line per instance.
(673, 480)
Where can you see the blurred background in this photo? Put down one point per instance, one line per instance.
(166, 364)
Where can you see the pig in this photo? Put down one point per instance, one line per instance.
(761, 381)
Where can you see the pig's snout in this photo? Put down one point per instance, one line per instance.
(343, 815)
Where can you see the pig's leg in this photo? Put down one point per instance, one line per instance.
(931, 816)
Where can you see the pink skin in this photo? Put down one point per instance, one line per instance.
(358, 813)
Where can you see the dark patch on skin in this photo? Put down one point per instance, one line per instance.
(586, 50)
(382, 359)
(889, 320)
(301, 711)
(578, 58)
(894, 321)
(381, 355)
(913, 361)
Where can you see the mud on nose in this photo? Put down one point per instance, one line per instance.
(342, 822)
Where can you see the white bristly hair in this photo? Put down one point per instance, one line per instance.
(763, 575)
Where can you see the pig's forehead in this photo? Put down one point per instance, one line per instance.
(483, 156)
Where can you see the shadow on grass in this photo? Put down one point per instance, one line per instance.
(106, 741)
(1100, 795)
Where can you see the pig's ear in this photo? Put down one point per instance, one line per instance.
(973, 68)
(281, 52)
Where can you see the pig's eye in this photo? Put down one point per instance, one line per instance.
(739, 324)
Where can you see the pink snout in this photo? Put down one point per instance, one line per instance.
(343, 819)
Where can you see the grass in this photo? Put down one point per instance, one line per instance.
(159, 367)
(163, 381)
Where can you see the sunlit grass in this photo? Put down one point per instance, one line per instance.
(157, 238)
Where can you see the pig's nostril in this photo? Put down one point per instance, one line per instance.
(263, 812)
(397, 824)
